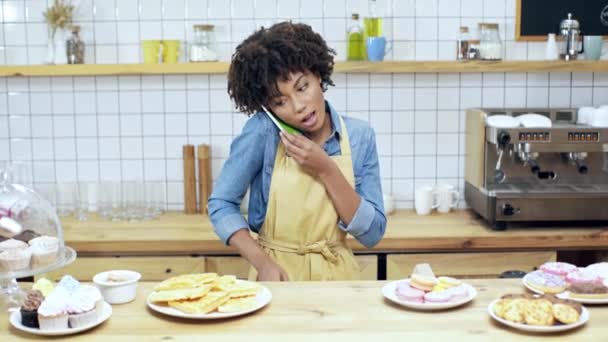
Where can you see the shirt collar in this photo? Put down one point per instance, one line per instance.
(336, 128)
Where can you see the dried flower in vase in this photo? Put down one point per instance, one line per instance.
(59, 16)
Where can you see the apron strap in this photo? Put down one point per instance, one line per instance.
(328, 250)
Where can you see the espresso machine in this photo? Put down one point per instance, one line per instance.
(523, 174)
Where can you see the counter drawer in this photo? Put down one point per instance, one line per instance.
(466, 265)
(151, 268)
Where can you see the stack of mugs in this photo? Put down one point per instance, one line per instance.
(596, 117)
(442, 197)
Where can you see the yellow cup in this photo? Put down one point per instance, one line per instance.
(151, 50)
(171, 51)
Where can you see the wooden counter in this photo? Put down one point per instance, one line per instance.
(460, 231)
(329, 311)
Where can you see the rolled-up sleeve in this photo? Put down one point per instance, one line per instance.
(244, 162)
(369, 222)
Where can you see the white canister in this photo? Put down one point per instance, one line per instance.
(584, 116)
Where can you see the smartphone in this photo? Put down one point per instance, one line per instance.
(282, 126)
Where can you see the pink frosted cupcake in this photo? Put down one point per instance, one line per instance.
(15, 259)
(44, 250)
(83, 306)
(52, 313)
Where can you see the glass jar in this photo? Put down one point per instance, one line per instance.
(75, 47)
(202, 48)
(490, 45)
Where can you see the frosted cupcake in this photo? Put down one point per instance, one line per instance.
(44, 285)
(15, 259)
(52, 313)
(44, 250)
(12, 244)
(82, 307)
(29, 309)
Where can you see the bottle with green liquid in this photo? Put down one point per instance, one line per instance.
(354, 37)
(373, 23)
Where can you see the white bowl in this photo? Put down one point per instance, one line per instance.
(117, 292)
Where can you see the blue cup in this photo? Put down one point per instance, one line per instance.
(376, 49)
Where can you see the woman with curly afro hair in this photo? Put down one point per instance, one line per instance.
(308, 190)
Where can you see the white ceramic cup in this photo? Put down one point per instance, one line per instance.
(425, 200)
(447, 198)
(585, 114)
(600, 117)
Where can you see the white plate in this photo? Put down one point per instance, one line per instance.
(15, 319)
(584, 317)
(532, 120)
(262, 299)
(566, 295)
(388, 291)
(502, 121)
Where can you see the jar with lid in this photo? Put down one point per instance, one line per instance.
(202, 48)
(75, 47)
(462, 45)
(490, 45)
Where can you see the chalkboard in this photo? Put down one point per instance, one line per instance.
(536, 18)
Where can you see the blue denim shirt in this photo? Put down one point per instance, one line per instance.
(251, 161)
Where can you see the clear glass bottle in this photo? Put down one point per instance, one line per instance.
(462, 45)
(354, 38)
(202, 48)
(373, 23)
(75, 47)
(490, 44)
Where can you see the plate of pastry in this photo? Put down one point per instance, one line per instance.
(538, 313)
(59, 309)
(587, 285)
(207, 296)
(424, 291)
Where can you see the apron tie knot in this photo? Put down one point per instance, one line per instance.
(320, 247)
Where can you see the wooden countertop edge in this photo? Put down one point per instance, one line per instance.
(388, 245)
(460, 231)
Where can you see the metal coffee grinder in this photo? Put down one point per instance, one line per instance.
(570, 39)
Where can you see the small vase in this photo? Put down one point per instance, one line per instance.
(61, 56)
(50, 50)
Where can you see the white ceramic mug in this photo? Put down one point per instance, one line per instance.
(585, 114)
(425, 200)
(447, 198)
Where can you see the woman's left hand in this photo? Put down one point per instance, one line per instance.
(311, 157)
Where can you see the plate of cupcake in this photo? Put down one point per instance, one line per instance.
(538, 313)
(65, 309)
(207, 296)
(587, 285)
(424, 291)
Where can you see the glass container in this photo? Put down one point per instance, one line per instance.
(202, 48)
(75, 47)
(490, 44)
(31, 238)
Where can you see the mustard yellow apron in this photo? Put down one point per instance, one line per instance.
(300, 231)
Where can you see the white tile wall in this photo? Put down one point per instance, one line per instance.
(133, 127)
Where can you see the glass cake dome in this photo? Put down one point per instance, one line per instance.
(31, 237)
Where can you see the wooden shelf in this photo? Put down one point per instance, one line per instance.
(341, 67)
